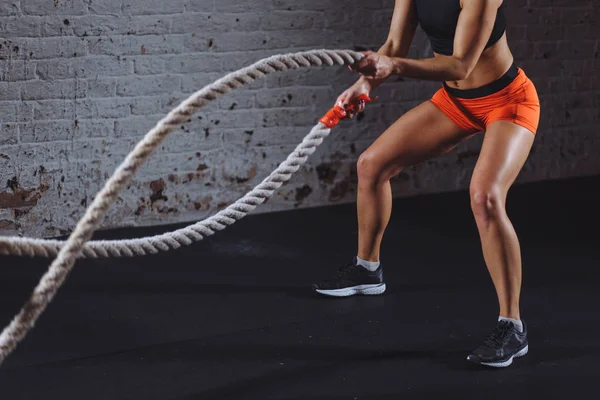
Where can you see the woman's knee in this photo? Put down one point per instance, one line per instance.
(371, 168)
(487, 201)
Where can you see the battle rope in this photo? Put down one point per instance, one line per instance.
(67, 252)
(49, 248)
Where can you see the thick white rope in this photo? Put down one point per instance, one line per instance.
(49, 248)
(75, 246)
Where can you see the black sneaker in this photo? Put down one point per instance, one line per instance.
(352, 279)
(504, 343)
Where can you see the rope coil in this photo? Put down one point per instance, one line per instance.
(77, 245)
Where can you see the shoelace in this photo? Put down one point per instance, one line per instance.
(344, 270)
(499, 335)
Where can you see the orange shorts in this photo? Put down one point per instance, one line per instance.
(511, 98)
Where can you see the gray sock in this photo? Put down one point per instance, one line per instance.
(369, 265)
(516, 322)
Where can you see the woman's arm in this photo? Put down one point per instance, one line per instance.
(402, 30)
(473, 30)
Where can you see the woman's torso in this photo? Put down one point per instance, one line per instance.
(438, 18)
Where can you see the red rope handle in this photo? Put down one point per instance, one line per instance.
(337, 113)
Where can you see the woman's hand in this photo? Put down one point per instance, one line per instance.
(350, 95)
(374, 65)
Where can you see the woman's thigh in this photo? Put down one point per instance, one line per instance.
(505, 149)
(422, 133)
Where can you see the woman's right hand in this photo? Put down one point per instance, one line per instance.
(350, 95)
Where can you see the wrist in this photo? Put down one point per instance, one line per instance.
(368, 84)
(398, 66)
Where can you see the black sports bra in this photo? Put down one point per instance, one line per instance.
(439, 18)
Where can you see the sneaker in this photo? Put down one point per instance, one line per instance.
(502, 345)
(352, 279)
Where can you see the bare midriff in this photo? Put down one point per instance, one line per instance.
(493, 63)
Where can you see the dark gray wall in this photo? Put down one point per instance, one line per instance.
(83, 80)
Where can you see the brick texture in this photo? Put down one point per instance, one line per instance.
(82, 80)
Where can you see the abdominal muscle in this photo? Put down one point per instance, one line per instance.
(493, 63)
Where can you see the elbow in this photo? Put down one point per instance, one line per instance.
(459, 74)
(460, 69)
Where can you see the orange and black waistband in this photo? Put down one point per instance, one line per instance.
(487, 89)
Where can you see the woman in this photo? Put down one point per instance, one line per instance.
(482, 91)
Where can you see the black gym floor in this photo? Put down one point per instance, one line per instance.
(233, 317)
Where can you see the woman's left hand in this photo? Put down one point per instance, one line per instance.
(374, 65)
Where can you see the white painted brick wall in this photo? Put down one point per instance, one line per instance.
(82, 80)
